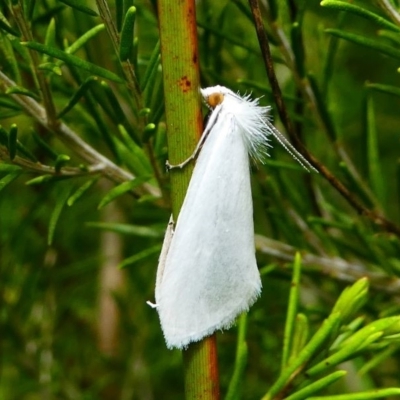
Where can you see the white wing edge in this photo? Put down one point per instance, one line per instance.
(169, 233)
(225, 324)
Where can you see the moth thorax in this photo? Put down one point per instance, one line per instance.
(214, 99)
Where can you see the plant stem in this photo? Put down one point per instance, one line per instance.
(390, 10)
(201, 370)
(38, 168)
(37, 74)
(127, 67)
(336, 268)
(184, 126)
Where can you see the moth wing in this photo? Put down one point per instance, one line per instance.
(210, 274)
(169, 233)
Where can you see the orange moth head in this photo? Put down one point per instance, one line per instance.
(214, 99)
(215, 95)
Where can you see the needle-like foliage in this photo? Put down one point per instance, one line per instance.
(96, 96)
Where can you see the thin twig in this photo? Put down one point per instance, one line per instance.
(388, 7)
(127, 66)
(38, 168)
(72, 140)
(269, 66)
(38, 75)
(282, 110)
(334, 267)
(303, 83)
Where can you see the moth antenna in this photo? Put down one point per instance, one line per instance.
(290, 148)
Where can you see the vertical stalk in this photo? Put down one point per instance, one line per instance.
(181, 89)
(38, 75)
(127, 67)
(179, 53)
(201, 370)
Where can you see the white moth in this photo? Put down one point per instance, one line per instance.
(207, 273)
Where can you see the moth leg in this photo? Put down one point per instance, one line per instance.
(182, 164)
(209, 126)
(192, 157)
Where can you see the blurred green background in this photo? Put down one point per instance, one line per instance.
(73, 323)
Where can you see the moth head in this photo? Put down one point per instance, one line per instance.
(214, 99)
(214, 96)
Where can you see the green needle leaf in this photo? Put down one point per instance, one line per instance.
(81, 41)
(73, 60)
(9, 167)
(61, 160)
(144, 112)
(138, 159)
(316, 386)
(50, 39)
(119, 13)
(77, 95)
(352, 298)
(12, 141)
(7, 28)
(292, 310)
(373, 394)
(22, 91)
(44, 146)
(352, 8)
(80, 191)
(363, 41)
(140, 256)
(121, 189)
(300, 336)
(346, 352)
(9, 139)
(151, 67)
(127, 229)
(240, 361)
(51, 67)
(325, 331)
(42, 179)
(126, 44)
(61, 200)
(5, 180)
(9, 103)
(80, 7)
(148, 132)
(374, 162)
(394, 90)
(298, 47)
